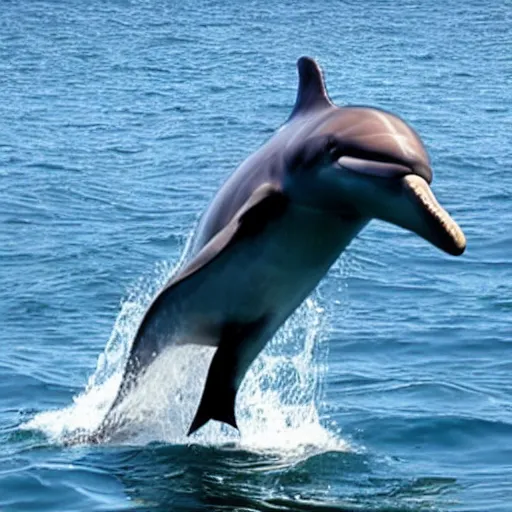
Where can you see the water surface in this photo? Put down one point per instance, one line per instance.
(389, 391)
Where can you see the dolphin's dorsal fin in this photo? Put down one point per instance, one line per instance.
(311, 93)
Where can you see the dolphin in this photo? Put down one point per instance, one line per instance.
(274, 229)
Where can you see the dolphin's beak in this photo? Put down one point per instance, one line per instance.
(400, 194)
(420, 212)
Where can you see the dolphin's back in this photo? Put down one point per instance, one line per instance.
(268, 164)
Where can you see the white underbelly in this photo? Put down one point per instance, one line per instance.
(270, 274)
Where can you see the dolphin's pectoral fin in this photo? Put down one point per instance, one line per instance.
(266, 203)
(237, 349)
(270, 205)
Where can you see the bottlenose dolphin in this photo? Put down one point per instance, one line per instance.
(274, 229)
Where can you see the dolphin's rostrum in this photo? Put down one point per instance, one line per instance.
(276, 226)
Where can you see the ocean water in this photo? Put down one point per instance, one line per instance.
(389, 390)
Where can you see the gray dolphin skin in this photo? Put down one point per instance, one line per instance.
(274, 229)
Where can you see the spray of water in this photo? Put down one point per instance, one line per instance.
(277, 404)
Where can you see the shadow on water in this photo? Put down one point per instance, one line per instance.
(193, 478)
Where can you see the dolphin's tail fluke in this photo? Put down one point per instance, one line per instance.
(238, 347)
(215, 405)
(218, 400)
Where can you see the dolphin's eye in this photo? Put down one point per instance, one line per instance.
(332, 148)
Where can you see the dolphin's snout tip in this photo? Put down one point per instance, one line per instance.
(459, 247)
(438, 227)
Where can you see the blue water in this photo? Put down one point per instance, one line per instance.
(390, 390)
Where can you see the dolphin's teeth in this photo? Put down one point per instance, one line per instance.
(424, 195)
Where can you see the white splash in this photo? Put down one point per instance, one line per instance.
(276, 405)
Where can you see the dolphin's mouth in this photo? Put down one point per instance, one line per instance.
(383, 166)
(438, 227)
(374, 168)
